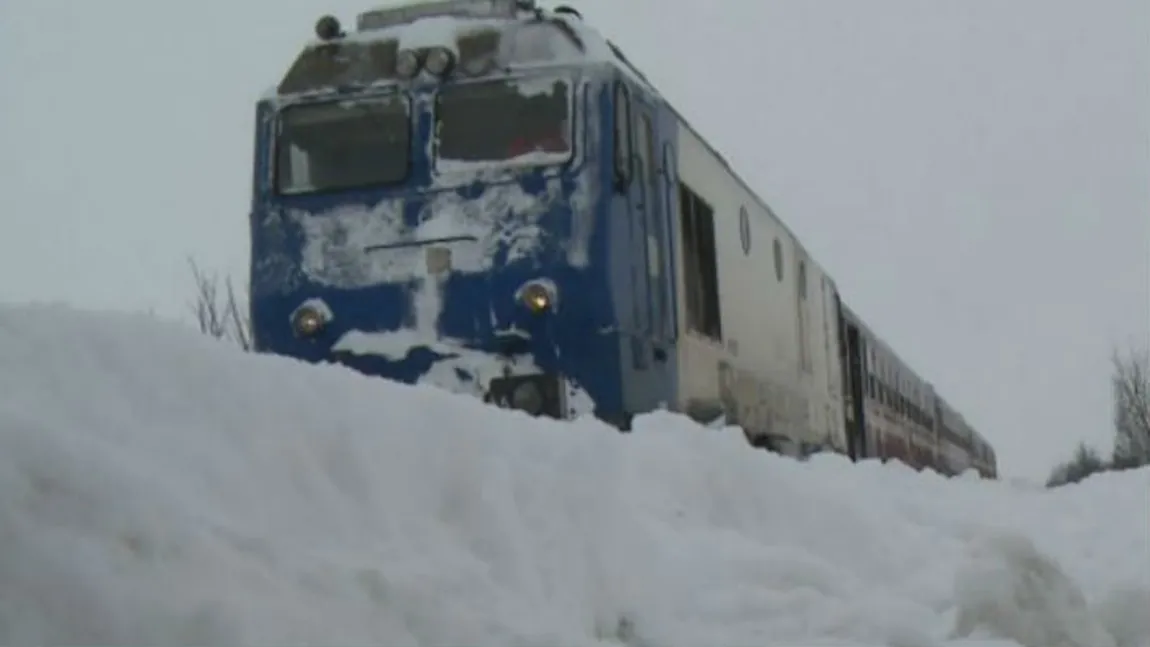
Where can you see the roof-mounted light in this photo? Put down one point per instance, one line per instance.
(568, 10)
(392, 16)
(439, 61)
(328, 28)
(310, 318)
(539, 296)
(407, 64)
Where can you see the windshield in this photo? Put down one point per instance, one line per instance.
(343, 145)
(525, 121)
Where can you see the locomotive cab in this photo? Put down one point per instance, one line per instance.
(430, 203)
(489, 197)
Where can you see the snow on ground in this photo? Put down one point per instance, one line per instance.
(160, 488)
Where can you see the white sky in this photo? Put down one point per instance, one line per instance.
(976, 175)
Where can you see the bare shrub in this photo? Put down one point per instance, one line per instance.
(1131, 388)
(1086, 461)
(218, 312)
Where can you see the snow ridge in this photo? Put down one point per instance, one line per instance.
(158, 487)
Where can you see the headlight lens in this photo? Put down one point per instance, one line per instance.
(440, 61)
(537, 297)
(407, 64)
(308, 321)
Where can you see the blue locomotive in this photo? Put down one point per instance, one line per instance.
(487, 196)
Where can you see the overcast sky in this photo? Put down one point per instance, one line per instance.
(976, 175)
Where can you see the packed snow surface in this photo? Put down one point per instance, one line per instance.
(161, 488)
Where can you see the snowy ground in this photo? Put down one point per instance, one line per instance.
(158, 488)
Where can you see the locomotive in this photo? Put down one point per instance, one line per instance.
(488, 196)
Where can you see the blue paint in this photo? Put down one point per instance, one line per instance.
(614, 331)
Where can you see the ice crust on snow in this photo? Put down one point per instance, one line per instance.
(160, 487)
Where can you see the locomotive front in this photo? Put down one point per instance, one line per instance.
(426, 202)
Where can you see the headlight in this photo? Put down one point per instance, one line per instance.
(308, 321)
(407, 64)
(440, 61)
(538, 296)
(328, 28)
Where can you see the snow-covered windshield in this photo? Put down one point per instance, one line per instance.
(343, 144)
(498, 121)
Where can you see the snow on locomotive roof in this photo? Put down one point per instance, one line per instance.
(450, 17)
(440, 24)
(402, 14)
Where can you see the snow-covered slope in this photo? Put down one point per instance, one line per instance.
(157, 487)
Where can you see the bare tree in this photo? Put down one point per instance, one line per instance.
(219, 314)
(1131, 385)
(1085, 462)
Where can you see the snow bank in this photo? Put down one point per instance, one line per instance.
(157, 487)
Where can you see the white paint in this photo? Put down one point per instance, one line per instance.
(789, 346)
(759, 312)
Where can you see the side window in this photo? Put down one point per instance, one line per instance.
(778, 259)
(623, 162)
(882, 383)
(648, 137)
(872, 381)
(642, 149)
(805, 360)
(700, 269)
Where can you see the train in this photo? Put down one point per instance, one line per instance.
(488, 196)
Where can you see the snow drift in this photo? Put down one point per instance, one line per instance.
(158, 487)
